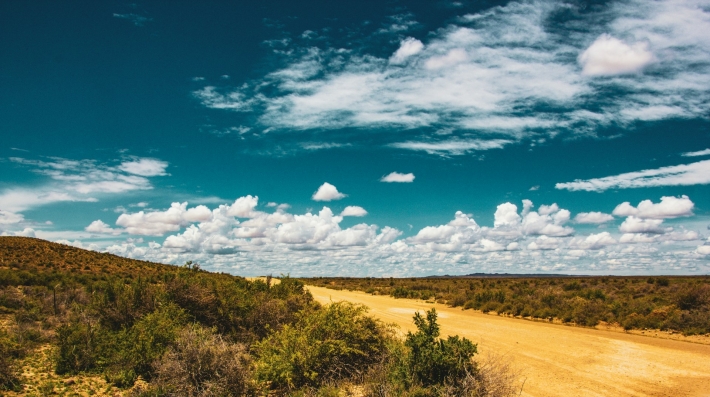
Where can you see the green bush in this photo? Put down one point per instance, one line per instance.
(328, 344)
(134, 349)
(434, 361)
(10, 350)
(79, 345)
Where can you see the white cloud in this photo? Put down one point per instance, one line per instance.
(99, 226)
(9, 218)
(473, 76)
(323, 145)
(669, 207)
(353, 210)
(636, 238)
(593, 241)
(610, 56)
(676, 175)
(549, 220)
(157, 223)
(26, 232)
(398, 177)
(327, 192)
(544, 243)
(452, 147)
(703, 250)
(212, 98)
(408, 47)
(506, 215)
(144, 167)
(243, 207)
(593, 217)
(238, 238)
(451, 58)
(705, 152)
(78, 180)
(633, 224)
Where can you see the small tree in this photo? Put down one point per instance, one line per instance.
(434, 361)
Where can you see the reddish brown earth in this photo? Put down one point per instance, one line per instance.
(558, 360)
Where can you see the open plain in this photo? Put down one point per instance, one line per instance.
(556, 360)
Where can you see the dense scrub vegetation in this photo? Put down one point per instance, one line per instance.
(667, 303)
(183, 331)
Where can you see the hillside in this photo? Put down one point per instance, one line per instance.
(75, 322)
(36, 255)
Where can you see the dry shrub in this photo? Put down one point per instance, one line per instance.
(203, 364)
(495, 377)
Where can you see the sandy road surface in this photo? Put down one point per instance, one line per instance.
(558, 360)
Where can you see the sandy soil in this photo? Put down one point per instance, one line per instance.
(557, 360)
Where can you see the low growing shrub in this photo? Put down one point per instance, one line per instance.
(332, 343)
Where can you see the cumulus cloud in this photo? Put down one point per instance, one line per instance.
(408, 47)
(506, 215)
(669, 207)
(593, 241)
(239, 238)
(676, 175)
(544, 243)
(703, 250)
(548, 220)
(398, 177)
(593, 218)
(157, 223)
(610, 56)
(353, 210)
(327, 192)
(633, 224)
(100, 227)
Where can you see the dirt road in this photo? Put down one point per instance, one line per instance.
(557, 360)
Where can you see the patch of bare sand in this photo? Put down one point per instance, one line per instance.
(557, 360)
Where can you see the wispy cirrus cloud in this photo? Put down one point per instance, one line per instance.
(510, 72)
(675, 175)
(705, 152)
(452, 146)
(79, 180)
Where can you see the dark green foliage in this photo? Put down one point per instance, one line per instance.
(434, 361)
(10, 351)
(131, 352)
(79, 345)
(327, 344)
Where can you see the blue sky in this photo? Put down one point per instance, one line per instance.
(362, 138)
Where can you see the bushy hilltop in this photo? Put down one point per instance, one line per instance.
(118, 326)
(36, 255)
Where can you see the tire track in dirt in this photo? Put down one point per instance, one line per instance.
(558, 360)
